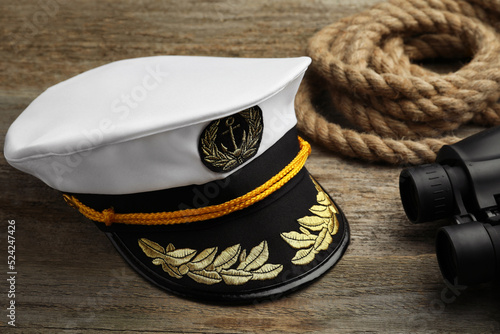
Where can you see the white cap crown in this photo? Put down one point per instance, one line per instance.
(134, 125)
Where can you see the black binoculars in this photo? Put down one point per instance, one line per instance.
(463, 184)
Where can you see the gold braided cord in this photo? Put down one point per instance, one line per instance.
(366, 65)
(108, 216)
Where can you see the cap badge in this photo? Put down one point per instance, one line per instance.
(228, 142)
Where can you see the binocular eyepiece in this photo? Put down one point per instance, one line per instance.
(463, 184)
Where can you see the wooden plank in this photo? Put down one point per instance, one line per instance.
(70, 279)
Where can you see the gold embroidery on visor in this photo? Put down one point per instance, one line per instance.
(324, 221)
(207, 268)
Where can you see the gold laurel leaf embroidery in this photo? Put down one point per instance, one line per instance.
(227, 258)
(208, 269)
(267, 271)
(333, 225)
(256, 258)
(170, 248)
(212, 133)
(158, 261)
(314, 223)
(325, 222)
(229, 164)
(203, 260)
(151, 249)
(179, 256)
(213, 160)
(304, 256)
(321, 210)
(235, 276)
(243, 255)
(205, 277)
(323, 240)
(299, 240)
(304, 230)
(249, 153)
(172, 271)
(206, 151)
(184, 269)
(322, 199)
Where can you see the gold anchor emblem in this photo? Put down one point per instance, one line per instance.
(215, 148)
(237, 150)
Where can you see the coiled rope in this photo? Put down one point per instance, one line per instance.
(366, 64)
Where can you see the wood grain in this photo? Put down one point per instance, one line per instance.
(71, 280)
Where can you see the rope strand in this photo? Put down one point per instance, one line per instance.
(364, 64)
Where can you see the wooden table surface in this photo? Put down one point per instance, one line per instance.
(71, 280)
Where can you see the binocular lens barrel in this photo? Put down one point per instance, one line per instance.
(466, 252)
(426, 193)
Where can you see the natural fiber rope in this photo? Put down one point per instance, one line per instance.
(365, 64)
